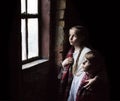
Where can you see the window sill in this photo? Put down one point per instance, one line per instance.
(31, 64)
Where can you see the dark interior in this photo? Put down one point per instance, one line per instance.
(102, 20)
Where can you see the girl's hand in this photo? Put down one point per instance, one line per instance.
(67, 61)
(89, 83)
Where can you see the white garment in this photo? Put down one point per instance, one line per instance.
(79, 74)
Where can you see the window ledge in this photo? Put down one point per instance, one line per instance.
(31, 64)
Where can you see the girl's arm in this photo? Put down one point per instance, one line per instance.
(101, 76)
(67, 61)
(90, 82)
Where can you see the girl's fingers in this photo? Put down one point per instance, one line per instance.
(87, 85)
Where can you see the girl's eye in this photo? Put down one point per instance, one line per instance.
(84, 61)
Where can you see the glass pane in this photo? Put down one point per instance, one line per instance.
(32, 6)
(22, 6)
(32, 38)
(23, 39)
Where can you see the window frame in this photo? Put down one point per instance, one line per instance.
(40, 33)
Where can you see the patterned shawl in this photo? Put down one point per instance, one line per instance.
(98, 92)
(66, 76)
(67, 68)
(81, 93)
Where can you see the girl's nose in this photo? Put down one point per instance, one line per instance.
(70, 37)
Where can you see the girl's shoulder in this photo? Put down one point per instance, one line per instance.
(86, 49)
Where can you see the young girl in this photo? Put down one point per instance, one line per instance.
(72, 73)
(93, 65)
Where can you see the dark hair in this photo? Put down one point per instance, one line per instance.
(96, 58)
(82, 33)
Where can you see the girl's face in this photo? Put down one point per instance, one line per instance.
(73, 39)
(86, 65)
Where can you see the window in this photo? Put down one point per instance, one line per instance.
(35, 38)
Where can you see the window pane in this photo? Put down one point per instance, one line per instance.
(32, 38)
(22, 6)
(33, 6)
(23, 39)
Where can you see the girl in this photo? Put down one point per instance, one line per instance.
(93, 65)
(72, 73)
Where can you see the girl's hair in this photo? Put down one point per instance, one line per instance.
(95, 59)
(81, 33)
(93, 55)
(74, 69)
